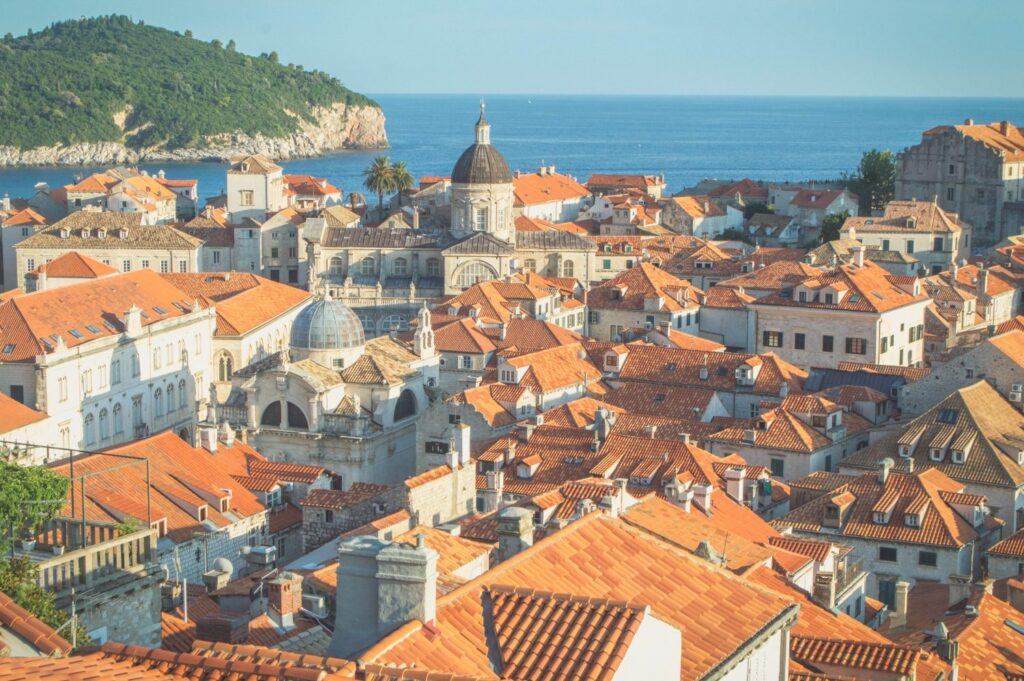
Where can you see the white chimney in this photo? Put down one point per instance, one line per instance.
(702, 495)
(857, 252)
(208, 438)
(898, 618)
(226, 434)
(461, 440)
(884, 466)
(734, 483)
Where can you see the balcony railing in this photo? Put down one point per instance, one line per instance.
(848, 574)
(98, 563)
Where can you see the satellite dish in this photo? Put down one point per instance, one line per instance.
(224, 565)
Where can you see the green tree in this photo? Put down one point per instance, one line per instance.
(733, 234)
(30, 496)
(401, 179)
(831, 224)
(216, 43)
(274, 57)
(378, 178)
(231, 45)
(188, 34)
(875, 180)
(752, 209)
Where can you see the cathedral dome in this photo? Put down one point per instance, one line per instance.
(481, 163)
(326, 324)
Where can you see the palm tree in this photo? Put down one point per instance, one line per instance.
(378, 179)
(401, 179)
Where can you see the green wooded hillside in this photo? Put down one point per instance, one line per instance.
(65, 84)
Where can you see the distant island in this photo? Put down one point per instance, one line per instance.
(109, 90)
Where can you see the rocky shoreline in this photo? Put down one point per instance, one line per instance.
(337, 128)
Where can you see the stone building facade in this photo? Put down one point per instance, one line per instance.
(971, 169)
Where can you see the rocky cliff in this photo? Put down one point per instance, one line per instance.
(336, 128)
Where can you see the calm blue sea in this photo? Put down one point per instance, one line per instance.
(684, 138)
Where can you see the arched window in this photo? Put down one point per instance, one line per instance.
(400, 267)
(394, 322)
(296, 419)
(473, 273)
(433, 267)
(90, 435)
(181, 394)
(406, 405)
(158, 403)
(225, 367)
(567, 268)
(336, 266)
(367, 267)
(530, 265)
(118, 420)
(369, 325)
(170, 398)
(271, 415)
(104, 425)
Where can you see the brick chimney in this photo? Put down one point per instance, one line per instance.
(284, 599)
(223, 627)
(381, 586)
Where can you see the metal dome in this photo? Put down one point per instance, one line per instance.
(327, 324)
(481, 164)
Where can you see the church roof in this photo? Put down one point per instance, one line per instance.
(480, 243)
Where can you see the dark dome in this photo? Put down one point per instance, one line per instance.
(481, 164)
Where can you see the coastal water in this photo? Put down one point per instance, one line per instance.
(684, 138)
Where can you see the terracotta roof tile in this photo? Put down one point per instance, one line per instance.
(631, 289)
(243, 301)
(533, 188)
(337, 499)
(28, 627)
(876, 657)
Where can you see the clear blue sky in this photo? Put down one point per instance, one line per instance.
(762, 47)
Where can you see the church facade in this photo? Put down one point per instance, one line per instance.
(385, 274)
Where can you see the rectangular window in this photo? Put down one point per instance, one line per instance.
(798, 341)
(183, 266)
(126, 265)
(273, 252)
(480, 219)
(606, 264)
(216, 258)
(293, 276)
(937, 246)
(18, 393)
(887, 553)
(245, 197)
(771, 339)
(927, 558)
(952, 169)
(292, 251)
(950, 194)
(910, 245)
(328, 516)
(885, 343)
(885, 244)
(165, 266)
(778, 467)
(827, 343)
(466, 361)
(856, 346)
(30, 264)
(145, 264)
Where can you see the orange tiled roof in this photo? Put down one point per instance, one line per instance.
(1003, 137)
(815, 198)
(533, 188)
(74, 265)
(642, 182)
(870, 288)
(684, 403)
(243, 301)
(906, 217)
(291, 472)
(630, 289)
(495, 402)
(32, 323)
(813, 549)
(625, 565)
(903, 494)
(178, 471)
(463, 336)
(1012, 546)
(698, 206)
(878, 657)
(25, 216)
(774, 275)
(14, 414)
(554, 368)
(337, 499)
(97, 183)
(307, 185)
(579, 413)
(910, 373)
(27, 626)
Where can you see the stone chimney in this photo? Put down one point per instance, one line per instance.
(515, 531)
(493, 490)
(226, 434)
(857, 255)
(898, 618)
(825, 590)
(982, 287)
(459, 450)
(702, 495)
(208, 438)
(381, 586)
(884, 467)
(415, 218)
(284, 599)
(133, 321)
(734, 483)
(42, 281)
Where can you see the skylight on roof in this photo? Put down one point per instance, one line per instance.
(76, 333)
(179, 306)
(948, 415)
(722, 371)
(660, 397)
(159, 310)
(109, 326)
(855, 298)
(91, 328)
(9, 348)
(671, 366)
